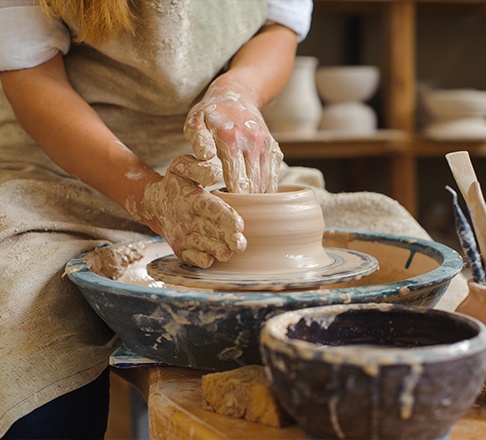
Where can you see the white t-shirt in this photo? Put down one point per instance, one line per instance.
(28, 38)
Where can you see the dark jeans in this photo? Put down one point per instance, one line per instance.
(80, 414)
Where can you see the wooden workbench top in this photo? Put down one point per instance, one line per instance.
(174, 398)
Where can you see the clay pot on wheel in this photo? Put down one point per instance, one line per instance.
(283, 230)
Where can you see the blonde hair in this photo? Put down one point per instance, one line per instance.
(98, 20)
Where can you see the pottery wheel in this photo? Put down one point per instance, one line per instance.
(347, 265)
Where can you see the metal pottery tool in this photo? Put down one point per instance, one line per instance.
(465, 176)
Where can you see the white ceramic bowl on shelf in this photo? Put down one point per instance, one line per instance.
(337, 84)
(353, 118)
(449, 104)
(457, 129)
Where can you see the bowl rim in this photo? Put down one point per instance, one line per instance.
(351, 68)
(450, 264)
(290, 191)
(273, 337)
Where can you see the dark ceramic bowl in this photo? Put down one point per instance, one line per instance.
(375, 371)
(210, 330)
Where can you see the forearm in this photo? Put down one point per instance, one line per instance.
(262, 67)
(71, 132)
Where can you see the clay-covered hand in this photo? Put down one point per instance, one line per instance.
(198, 226)
(228, 125)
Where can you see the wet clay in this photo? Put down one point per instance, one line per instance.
(126, 263)
(283, 231)
(284, 248)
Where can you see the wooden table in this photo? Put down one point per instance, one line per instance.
(174, 400)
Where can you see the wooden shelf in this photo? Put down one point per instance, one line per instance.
(401, 148)
(424, 147)
(399, 142)
(326, 145)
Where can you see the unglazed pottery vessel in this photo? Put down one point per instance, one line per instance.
(283, 230)
(337, 84)
(212, 330)
(297, 109)
(284, 248)
(349, 117)
(443, 104)
(473, 128)
(375, 371)
(455, 113)
(344, 90)
(475, 302)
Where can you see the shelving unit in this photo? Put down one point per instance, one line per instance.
(399, 143)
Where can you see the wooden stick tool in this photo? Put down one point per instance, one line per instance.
(465, 176)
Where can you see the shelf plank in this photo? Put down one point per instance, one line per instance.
(325, 145)
(392, 144)
(426, 147)
(402, 148)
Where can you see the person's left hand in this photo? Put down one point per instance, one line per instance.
(226, 124)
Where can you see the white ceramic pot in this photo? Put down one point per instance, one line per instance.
(298, 108)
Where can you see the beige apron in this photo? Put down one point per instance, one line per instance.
(51, 342)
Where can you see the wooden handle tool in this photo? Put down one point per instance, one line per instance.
(465, 176)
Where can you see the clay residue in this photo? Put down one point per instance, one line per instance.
(135, 174)
(111, 262)
(334, 417)
(407, 396)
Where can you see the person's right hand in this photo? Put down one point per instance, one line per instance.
(228, 124)
(198, 225)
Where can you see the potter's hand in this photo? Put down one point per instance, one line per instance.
(227, 124)
(197, 225)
